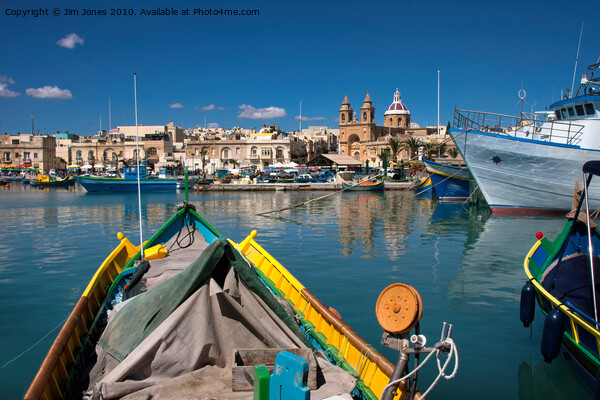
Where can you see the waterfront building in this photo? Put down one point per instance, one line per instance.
(258, 149)
(319, 140)
(30, 150)
(361, 138)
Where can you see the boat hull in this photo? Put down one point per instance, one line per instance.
(364, 187)
(579, 339)
(450, 183)
(126, 185)
(517, 175)
(61, 183)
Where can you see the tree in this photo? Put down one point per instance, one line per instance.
(395, 147)
(203, 153)
(453, 152)
(442, 148)
(430, 149)
(412, 145)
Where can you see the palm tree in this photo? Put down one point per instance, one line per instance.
(453, 152)
(412, 145)
(442, 149)
(395, 147)
(203, 153)
(429, 149)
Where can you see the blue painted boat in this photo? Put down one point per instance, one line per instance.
(450, 183)
(562, 276)
(129, 182)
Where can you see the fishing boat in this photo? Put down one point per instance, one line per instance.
(372, 185)
(200, 316)
(450, 183)
(128, 183)
(422, 184)
(563, 276)
(526, 164)
(43, 180)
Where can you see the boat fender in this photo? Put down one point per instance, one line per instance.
(156, 252)
(527, 304)
(554, 326)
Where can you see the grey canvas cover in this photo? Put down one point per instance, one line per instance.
(178, 339)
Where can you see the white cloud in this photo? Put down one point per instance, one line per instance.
(249, 112)
(297, 118)
(49, 92)
(176, 105)
(4, 82)
(212, 125)
(208, 107)
(70, 41)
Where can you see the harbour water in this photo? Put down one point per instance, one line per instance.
(346, 248)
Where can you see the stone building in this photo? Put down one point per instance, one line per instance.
(259, 150)
(362, 139)
(29, 150)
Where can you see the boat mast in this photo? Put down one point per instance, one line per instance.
(438, 114)
(137, 149)
(576, 59)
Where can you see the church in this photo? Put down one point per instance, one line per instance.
(361, 139)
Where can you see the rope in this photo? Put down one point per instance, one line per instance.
(318, 198)
(36, 343)
(441, 368)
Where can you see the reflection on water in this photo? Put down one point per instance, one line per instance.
(467, 266)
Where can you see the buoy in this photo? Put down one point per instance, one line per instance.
(527, 304)
(554, 326)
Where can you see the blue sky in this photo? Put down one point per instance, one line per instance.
(253, 70)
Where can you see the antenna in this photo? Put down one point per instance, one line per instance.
(576, 59)
(32, 124)
(300, 118)
(109, 121)
(438, 120)
(137, 148)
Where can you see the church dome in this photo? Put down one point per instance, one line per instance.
(397, 107)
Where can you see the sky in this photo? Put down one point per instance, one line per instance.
(226, 70)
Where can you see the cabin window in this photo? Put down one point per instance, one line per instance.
(564, 113)
(557, 112)
(579, 109)
(571, 112)
(589, 108)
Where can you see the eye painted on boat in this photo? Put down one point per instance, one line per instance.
(496, 159)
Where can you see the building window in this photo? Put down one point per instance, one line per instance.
(78, 157)
(225, 153)
(279, 153)
(6, 156)
(238, 150)
(254, 151)
(91, 155)
(35, 155)
(212, 151)
(26, 156)
(364, 116)
(343, 118)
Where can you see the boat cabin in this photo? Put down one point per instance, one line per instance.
(130, 172)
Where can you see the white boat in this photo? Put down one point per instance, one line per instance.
(529, 164)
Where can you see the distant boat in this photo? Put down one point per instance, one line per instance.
(529, 164)
(129, 182)
(377, 185)
(449, 182)
(43, 180)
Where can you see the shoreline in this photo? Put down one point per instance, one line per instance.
(216, 186)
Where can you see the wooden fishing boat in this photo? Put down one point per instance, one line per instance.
(51, 181)
(450, 183)
(129, 182)
(563, 276)
(216, 328)
(376, 185)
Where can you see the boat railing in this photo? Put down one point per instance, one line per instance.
(535, 127)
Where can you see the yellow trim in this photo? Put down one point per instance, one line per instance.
(576, 321)
(366, 369)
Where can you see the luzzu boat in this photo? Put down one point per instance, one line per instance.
(527, 164)
(201, 316)
(129, 182)
(563, 276)
(450, 183)
(42, 180)
(366, 185)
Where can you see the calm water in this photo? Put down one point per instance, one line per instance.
(467, 266)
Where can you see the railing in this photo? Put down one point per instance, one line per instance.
(527, 126)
